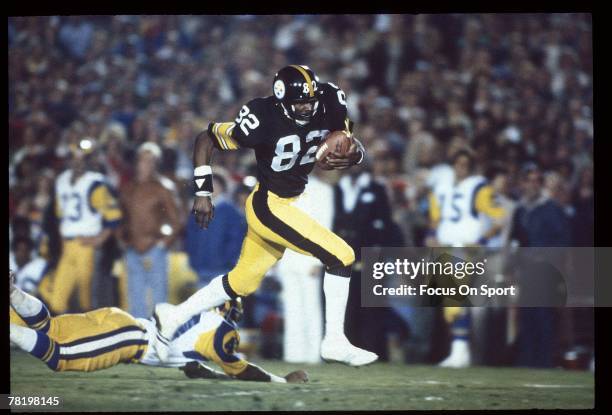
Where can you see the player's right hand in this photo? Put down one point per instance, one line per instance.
(203, 210)
(299, 376)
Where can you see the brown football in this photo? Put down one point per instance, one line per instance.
(335, 141)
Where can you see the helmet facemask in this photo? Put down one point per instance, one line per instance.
(298, 115)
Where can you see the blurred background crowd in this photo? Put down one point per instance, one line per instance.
(515, 88)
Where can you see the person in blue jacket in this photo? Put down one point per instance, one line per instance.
(214, 251)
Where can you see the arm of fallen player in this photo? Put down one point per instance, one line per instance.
(257, 374)
(196, 370)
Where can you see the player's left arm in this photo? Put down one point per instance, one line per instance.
(255, 373)
(102, 200)
(484, 203)
(225, 347)
(196, 370)
(223, 136)
(341, 121)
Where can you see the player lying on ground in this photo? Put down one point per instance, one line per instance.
(285, 130)
(108, 336)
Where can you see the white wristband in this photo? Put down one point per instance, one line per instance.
(203, 181)
(202, 170)
(277, 379)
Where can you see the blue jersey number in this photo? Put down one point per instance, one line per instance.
(72, 206)
(456, 211)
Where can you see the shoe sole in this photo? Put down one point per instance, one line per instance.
(348, 364)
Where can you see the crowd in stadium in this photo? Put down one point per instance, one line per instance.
(516, 89)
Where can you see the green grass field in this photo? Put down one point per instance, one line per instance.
(332, 387)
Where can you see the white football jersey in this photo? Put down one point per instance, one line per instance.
(183, 345)
(78, 218)
(460, 224)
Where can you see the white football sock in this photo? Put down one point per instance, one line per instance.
(336, 291)
(24, 337)
(205, 298)
(24, 304)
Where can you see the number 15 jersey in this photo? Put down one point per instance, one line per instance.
(285, 150)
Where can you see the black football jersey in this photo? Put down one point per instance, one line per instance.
(285, 151)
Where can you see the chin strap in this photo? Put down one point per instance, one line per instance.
(299, 122)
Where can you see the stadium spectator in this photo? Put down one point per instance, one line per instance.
(29, 269)
(583, 201)
(114, 141)
(498, 178)
(21, 252)
(152, 223)
(214, 251)
(539, 221)
(75, 35)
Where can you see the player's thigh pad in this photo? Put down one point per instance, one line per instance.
(70, 327)
(256, 258)
(275, 219)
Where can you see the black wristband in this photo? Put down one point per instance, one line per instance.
(203, 181)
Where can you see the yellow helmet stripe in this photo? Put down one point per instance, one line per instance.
(307, 77)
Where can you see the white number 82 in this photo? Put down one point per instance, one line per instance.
(250, 121)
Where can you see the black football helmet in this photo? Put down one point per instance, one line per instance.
(297, 84)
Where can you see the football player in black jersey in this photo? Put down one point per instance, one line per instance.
(285, 130)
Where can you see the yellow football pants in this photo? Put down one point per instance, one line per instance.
(274, 224)
(74, 271)
(92, 341)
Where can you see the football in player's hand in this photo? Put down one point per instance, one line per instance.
(336, 141)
